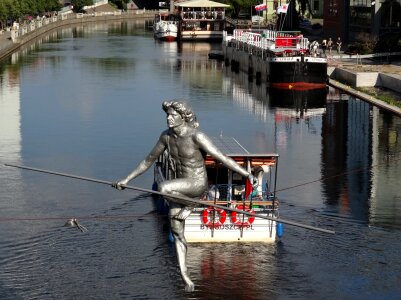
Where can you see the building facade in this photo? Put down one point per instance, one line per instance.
(352, 19)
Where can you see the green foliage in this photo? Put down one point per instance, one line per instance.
(241, 5)
(120, 4)
(381, 94)
(17, 9)
(364, 44)
(78, 5)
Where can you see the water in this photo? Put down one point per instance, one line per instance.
(87, 101)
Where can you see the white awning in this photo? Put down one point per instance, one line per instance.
(200, 3)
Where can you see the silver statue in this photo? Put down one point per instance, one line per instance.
(187, 147)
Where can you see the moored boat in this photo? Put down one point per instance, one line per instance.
(165, 27)
(229, 191)
(201, 20)
(283, 59)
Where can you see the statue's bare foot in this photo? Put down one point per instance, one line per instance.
(190, 287)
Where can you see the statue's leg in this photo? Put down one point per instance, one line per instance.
(177, 228)
(178, 212)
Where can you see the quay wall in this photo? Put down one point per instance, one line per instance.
(244, 61)
(366, 79)
(29, 32)
(390, 81)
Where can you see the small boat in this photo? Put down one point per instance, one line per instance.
(227, 189)
(218, 55)
(283, 59)
(165, 27)
(201, 20)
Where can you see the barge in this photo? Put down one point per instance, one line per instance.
(283, 59)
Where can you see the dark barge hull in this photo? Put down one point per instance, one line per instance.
(298, 74)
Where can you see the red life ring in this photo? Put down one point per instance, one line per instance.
(207, 221)
(238, 222)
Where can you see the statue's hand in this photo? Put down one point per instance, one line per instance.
(119, 185)
(253, 180)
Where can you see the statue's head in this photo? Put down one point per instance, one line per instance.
(183, 109)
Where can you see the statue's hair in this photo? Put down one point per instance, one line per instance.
(183, 109)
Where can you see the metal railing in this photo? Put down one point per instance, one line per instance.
(269, 39)
(19, 30)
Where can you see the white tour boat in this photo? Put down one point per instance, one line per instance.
(227, 189)
(201, 20)
(165, 27)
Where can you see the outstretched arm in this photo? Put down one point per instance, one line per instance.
(146, 163)
(207, 145)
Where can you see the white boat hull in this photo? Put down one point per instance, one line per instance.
(260, 230)
(201, 35)
(166, 30)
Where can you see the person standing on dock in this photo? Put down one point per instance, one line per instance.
(338, 44)
(330, 45)
(324, 46)
(187, 148)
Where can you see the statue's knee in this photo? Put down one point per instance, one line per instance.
(163, 188)
(176, 226)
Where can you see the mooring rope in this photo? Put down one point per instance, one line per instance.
(333, 176)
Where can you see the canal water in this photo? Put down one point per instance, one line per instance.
(87, 101)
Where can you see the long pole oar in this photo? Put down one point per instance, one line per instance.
(186, 200)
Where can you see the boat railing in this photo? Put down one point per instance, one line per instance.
(271, 40)
(201, 15)
(235, 192)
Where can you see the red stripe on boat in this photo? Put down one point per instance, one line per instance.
(298, 86)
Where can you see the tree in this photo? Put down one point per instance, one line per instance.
(78, 5)
(304, 5)
(238, 5)
(120, 4)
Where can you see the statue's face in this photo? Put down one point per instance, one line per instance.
(174, 119)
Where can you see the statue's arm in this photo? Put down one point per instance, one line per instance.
(145, 164)
(207, 145)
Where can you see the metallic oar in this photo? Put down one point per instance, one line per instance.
(181, 199)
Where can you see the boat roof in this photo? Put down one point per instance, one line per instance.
(229, 145)
(200, 3)
(232, 148)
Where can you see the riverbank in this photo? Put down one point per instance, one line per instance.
(11, 41)
(369, 79)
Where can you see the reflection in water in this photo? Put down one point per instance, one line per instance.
(359, 144)
(10, 136)
(345, 150)
(251, 265)
(385, 197)
(298, 100)
(298, 104)
(247, 95)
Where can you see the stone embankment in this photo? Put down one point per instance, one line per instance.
(349, 73)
